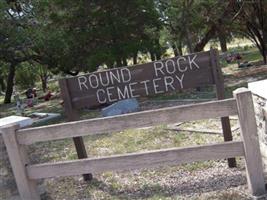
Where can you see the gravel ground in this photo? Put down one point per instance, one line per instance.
(218, 182)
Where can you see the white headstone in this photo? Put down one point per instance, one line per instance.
(21, 121)
(259, 88)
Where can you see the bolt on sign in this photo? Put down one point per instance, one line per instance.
(158, 77)
(153, 78)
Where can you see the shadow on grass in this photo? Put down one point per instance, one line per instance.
(161, 190)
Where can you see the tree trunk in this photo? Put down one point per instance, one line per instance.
(180, 48)
(202, 43)
(223, 43)
(135, 59)
(44, 83)
(264, 55)
(152, 56)
(226, 15)
(158, 56)
(265, 46)
(188, 40)
(124, 61)
(10, 83)
(175, 50)
(2, 84)
(119, 63)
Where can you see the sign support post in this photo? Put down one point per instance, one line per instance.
(220, 92)
(72, 115)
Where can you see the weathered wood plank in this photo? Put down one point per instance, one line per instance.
(132, 161)
(249, 135)
(265, 113)
(18, 160)
(219, 84)
(192, 130)
(133, 120)
(72, 115)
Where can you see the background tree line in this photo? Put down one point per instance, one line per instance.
(63, 36)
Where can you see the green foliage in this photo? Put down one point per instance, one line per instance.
(251, 22)
(188, 22)
(81, 35)
(26, 76)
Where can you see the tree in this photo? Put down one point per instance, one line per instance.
(3, 74)
(194, 23)
(26, 76)
(15, 29)
(87, 34)
(252, 21)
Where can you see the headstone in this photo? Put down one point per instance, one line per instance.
(259, 88)
(44, 117)
(259, 91)
(19, 105)
(121, 107)
(21, 121)
(245, 64)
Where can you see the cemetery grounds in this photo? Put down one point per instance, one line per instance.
(199, 180)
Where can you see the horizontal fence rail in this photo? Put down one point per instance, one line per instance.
(132, 161)
(220, 108)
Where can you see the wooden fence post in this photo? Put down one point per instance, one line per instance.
(72, 115)
(219, 84)
(18, 159)
(248, 126)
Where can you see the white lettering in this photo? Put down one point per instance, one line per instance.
(109, 93)
(180, 80)
(168, 83)
(158, 67)
(91, 81)
(123, 94)
(98, 95)
(102, 79)
(145, 83)
(126, 75)
(82, 81)
(114, 76)
(193, 62)
(179, 66)
(156, 86)
(172, 65)
(133, 90)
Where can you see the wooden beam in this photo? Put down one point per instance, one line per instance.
(203, 130)
(192, 130)
(248, 126)
(133, 120)
(72, 115)
(18, 159)
(265, 113)
(219, 84)
(133, 161)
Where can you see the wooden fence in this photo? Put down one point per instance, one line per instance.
(26, 174)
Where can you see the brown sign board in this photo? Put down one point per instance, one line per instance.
(152, 78)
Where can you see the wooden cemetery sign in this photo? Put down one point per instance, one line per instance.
(158, 77)
(153, 78)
